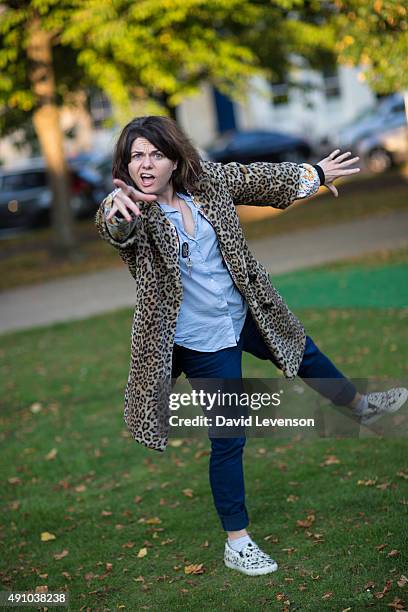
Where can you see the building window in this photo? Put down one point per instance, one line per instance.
(100, 107)
(331, 83)
(280, 94)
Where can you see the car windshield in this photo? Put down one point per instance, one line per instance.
(23, 180)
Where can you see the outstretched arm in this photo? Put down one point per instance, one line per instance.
(278, 185)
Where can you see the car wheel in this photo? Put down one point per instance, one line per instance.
(379, 160)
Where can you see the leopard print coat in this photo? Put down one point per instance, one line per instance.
(151, 253)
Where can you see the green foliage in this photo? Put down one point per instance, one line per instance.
(151, 54)
(374, 34)
(155, 52)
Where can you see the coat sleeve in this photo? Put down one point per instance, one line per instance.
(119, 232)
(122, 239)
(263, 183)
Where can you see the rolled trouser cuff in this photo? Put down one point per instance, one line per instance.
(235, 522)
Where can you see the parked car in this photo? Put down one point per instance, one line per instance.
(386, 147)
(259, 145)
(374, 118)
(25, 197)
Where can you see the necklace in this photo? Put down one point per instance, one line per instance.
(185, 247)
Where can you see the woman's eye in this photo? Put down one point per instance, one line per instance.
(159, 155)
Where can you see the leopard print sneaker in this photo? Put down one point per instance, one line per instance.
(382, 403)
(251, 560)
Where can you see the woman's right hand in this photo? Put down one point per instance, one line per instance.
(126, 199)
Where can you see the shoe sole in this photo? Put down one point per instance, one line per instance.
(397, 406)
(248, 572)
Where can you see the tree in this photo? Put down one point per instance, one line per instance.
(373, 34)
(152, 52)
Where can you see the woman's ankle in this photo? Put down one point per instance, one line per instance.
(356, 400)
(233, 535)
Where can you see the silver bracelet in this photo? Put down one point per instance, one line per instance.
(114, 192)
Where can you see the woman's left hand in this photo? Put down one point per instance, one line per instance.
(334, 166)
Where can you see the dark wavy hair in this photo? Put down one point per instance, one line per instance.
(165, 134)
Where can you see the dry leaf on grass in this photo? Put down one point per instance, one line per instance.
(194, 568)
(61, 555)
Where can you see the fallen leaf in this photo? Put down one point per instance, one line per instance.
(168, 541)
(307, 522)
(402, 581)
(36, 407)
(139, 579)
(61, 555)
(201, 453)
(14, 480)
(383, 486)
(393, 553)
(327, 595)
(137, 499)
(367, 483)
(153, 521)
(188, 492)
(142, 553)
(51, 455)
(397, 604)
(46, 536)
(175, 443)
(194, 568)
(108, 567)
(330, 460)
(80, 488)
(380, 594)
(292, 498)
(106, 513)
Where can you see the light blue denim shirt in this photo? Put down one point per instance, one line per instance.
(213, 311)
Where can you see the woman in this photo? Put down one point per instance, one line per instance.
(202, 298)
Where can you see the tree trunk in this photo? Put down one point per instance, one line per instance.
(48, 129)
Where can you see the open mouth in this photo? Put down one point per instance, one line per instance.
(147, 179)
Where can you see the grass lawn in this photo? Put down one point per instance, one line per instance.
(25, 257)
(70, 469)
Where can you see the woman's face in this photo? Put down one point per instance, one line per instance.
(149, 168)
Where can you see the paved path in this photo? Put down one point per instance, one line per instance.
(82, 296)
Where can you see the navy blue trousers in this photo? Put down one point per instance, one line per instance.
(226, 473)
